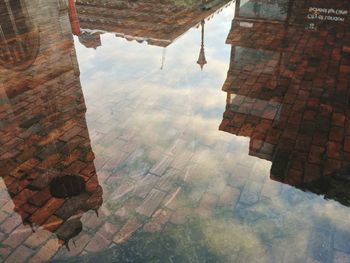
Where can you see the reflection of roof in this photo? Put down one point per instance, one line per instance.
(90, 40)
(282, 94)
(158, 23)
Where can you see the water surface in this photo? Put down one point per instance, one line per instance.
(174, 131)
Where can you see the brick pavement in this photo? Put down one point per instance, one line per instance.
(148, 188)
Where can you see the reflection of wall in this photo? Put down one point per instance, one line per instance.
(157, 22)
(46, 156)
(288, 92)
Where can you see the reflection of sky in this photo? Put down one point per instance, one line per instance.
(119, 64)
(125, 89)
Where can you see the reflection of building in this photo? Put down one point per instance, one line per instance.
(157, 22)
(46, 158)
(287, 89)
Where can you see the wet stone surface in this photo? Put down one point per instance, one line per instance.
(174, 131)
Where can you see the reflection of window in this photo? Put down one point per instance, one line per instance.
(272, 10)
(256, 61)
(19, 38)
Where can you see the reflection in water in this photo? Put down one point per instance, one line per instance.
(290, 97)
(44, 135)
(175, 189)
(156, 22)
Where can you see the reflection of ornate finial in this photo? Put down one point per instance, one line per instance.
(201, 60)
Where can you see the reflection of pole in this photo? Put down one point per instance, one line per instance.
(163, 58)
(14, 26)
(201, 60)
(4, 40)
(74, 21)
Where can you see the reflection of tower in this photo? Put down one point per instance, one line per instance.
(19, 37)
(201, 60)
(266, 100)
(50, 177)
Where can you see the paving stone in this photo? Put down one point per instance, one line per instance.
(4, 252)
(342, 240)
(151, 202)
(160, 168)
(229, 196)
(181, 215)
(207, 204)
(217, 186)
(166, 182)
(21, 254)
(102, 239)
(127, 230)
(75, 249)
(42, 214)
(271, 188)
(10, 223)
(37, 238)
(250, 194)
(97, 243)
(92, 221)
(340, 257)
(320, 245)
(46, 252)
(17, 236)
(145, 185)
(157, 221)
(40, 198)
(128, 208)
(182, 160)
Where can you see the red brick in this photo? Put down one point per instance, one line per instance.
(40, 198)
(338, 119)
(312, 173)
(11, 223)
(347, 144)
(316, 154)
(334, 150)
(331, 166)
(336, 134)
(43, 213)
(21, 254)
(17, 236)
(294, 177)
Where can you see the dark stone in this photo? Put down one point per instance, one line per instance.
(67, 186)
(69, 229)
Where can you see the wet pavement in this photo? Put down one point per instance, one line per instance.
(174, 131)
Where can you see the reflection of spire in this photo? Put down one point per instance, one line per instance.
(163, 58)
(201, 60)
